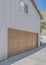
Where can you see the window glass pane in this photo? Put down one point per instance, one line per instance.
(24, 7)
(22, 4)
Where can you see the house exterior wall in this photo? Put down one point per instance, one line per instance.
(13, 17)
(3, 43)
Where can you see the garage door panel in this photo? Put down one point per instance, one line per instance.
(35, 40)
(20, 41)
(13, 52)
(21, 45)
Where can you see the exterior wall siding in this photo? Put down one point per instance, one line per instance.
(13, 17)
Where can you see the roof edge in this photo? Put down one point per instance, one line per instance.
(36, 9)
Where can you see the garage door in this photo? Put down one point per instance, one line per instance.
(20, 41)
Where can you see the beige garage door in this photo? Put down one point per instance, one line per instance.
(20, 41)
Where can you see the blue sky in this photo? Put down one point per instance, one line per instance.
(41, 4)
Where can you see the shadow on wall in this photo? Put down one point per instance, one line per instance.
(20, 56)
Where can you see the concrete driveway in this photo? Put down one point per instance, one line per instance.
(33, 57)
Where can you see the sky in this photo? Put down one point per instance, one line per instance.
(41, 4)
